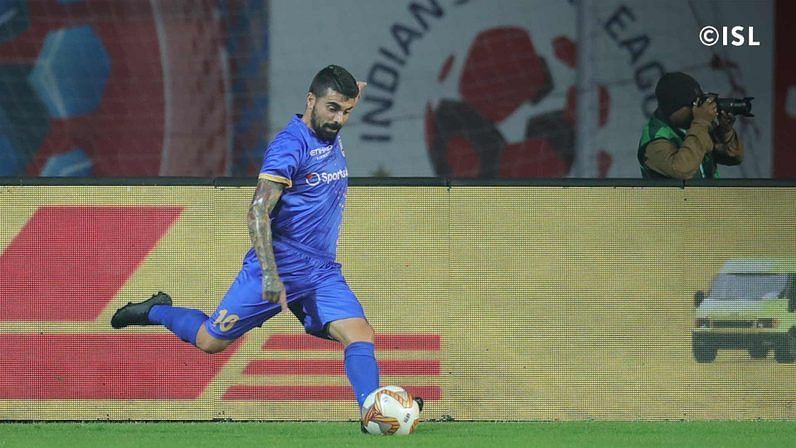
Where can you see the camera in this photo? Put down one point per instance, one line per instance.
(735, 106)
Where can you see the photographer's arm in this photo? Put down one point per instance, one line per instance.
(681, 163)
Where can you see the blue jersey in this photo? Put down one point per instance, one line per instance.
(305, 225)
(315, 176)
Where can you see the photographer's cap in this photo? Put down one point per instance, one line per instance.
(675, 90)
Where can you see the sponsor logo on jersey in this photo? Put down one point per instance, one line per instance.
(322, 152)
(314, 179)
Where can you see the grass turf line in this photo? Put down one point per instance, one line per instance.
(701, 434)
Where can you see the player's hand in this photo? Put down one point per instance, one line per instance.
(274, 291)
(706, 111)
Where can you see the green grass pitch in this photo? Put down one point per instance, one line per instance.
(717, 434)
(702, 434)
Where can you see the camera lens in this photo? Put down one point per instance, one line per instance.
(736, 106)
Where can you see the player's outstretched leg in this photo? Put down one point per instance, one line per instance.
(183, 322)
(138, 313)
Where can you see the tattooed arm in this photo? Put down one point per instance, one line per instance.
(265, 198)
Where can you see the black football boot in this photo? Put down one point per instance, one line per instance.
(138, 313)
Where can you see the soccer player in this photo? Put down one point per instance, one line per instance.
(294, 222)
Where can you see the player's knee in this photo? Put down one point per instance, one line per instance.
(349, 331)
(211, 345)
(364, 335)
(368, 334)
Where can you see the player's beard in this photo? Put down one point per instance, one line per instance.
(326, 131)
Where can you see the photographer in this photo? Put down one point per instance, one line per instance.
(687, 135)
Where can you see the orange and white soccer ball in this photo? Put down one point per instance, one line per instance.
(390, 410)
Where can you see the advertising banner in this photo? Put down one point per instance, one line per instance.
(492, 303)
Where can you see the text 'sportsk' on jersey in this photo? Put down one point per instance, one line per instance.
(315, 175)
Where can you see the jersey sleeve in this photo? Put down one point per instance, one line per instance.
(281, 160)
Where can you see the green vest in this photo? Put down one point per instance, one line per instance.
(657, 129)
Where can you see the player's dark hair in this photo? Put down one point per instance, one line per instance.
(336, 78)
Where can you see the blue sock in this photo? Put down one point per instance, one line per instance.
(184, 322)
(361, 368)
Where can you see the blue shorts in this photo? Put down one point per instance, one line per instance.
(317, 294)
